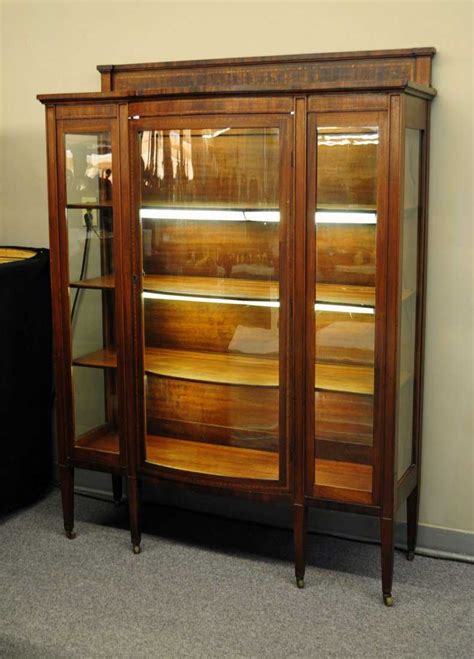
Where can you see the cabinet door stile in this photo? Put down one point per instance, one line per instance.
(56, 285)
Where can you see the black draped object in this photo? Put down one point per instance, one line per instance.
(26, 383)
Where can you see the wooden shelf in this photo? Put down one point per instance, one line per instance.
(103, 439)
(345, 378)
(105, 358)
(343, 481)
(245, 289)
(346, 294)
(221, 368)
(106, 281)
(98, 205)
(248, 289)
(212, 367)
(212, 459)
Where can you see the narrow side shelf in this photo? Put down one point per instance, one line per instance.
(106, 281)
(94, 205)
(104, 439)
(105, 358)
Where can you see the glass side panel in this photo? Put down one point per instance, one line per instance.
(346, 226)
(88, 168)
(210, 221)
(89, 223)
(408, 299)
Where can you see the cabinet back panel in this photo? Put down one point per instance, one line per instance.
(211, 248)
(211, 327)
(224, 414)
(344, 417)
(347, 338)
(345, 254)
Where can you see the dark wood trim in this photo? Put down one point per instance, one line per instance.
(211, 106)
(129, 355)
(383, 272)
(347, 102)
(342, 506)
(56, 285)
(309, 295)
(289, 71)
(81, 98)
(397, 145)
(92, 460)
(396, 53)
(266, 489)
(300, 356)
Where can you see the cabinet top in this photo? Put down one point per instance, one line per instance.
(365, 70)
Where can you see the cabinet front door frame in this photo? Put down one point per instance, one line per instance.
(259, 113)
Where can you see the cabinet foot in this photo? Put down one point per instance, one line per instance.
(300, 582)
(136, 549)
(388, 599)
(410, 555)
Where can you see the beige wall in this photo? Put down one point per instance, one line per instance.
(54, 47)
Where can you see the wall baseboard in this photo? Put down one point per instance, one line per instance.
(433, 541)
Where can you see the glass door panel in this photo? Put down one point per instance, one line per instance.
(90, 239)
(408, 297)
(345, 308)
(211, 232)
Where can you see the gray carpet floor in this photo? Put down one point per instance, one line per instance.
(210, 587)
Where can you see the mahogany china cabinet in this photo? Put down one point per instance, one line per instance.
(238, 254)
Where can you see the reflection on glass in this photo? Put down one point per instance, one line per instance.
(88, 168)
(89, 223)
(346, 223)
(210, 242)
(408, 299)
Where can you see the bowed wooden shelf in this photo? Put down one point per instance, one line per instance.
(235, 369)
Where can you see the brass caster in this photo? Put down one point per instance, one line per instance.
(300, 582)
(70, 535)
(388, 600)
(136, 549)
(410, 555)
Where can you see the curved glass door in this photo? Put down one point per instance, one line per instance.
(211, 226)
(345, 305)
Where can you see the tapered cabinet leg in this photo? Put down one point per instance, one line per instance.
(134, 512)
(300, 523)
(66, 481)
(412, 523)
(387, 549)
(117, 489)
